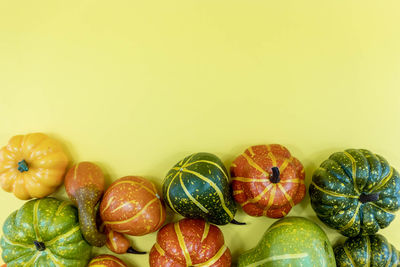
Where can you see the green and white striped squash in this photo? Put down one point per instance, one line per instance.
(355, 192)
(44, 232)
(291, 241)
(367, 250)
(197, 187)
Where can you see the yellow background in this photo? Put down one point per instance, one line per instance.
(135, 86)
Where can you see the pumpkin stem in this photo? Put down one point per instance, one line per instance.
(364, 198)
(23, 166)
(275, 175)
(39, 245)
(134, 251)
(237, 223)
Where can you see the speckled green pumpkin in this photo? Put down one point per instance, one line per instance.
(366, 250)
(355, 192)
(44, 232)
(291, 241)
(198, 187)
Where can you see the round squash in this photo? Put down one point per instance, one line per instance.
(190, 242)
(267, 181)
(132, 205)
(105, 260)
(44, 232)
(355, 192)
(291, 241)
(32, 166)
(198, 187)
(367, 250)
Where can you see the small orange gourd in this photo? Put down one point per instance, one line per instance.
(32, 166)
(105, 260)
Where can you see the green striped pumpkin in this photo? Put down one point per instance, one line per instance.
(367, 250)
(198, 187)
(355, 192)
(291, 241)
(44, 232)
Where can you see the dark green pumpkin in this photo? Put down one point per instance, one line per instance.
(198, 187)
(355, 192)
(367, 250)
(44, 232)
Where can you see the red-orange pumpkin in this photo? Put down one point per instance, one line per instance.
(106, 260)
(190, 242)
(267, 181)
(132, 205)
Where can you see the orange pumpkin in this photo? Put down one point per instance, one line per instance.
(106, 260)
(132, 206)
(32, 166)
(190, 242)
(267, 181)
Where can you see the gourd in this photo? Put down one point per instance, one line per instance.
(118, 243)
(84, 184)
(355, 192)
(267, 181)
(32, 166)
(291, 241)
(367, 250)
(198, 187)
(132, 206)
(44, 232)
(105, 260)
(190, 242)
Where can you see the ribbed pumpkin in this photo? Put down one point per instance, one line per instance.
(267, 181)
(105, 260)
(367, 250)
(198, 187)
(44, 232)
(355, 192)
(190, 242)
(32, 166)
(131, 205)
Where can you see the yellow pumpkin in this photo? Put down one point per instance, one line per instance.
(32, 166)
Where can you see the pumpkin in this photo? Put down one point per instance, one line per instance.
(198, 187)
(190, 242)
(267, 181)
(355, 192)
(32, 166)
(84, 184)
(44, 232)
(291, 241)
(132, 206)
(367, 250)
(105, 260)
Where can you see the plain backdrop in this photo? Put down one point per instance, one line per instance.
(135, 86)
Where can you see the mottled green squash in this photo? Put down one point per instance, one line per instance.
(366, 250)
(44, 232)
(198, 187)
(355, 192)
(291, 241)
